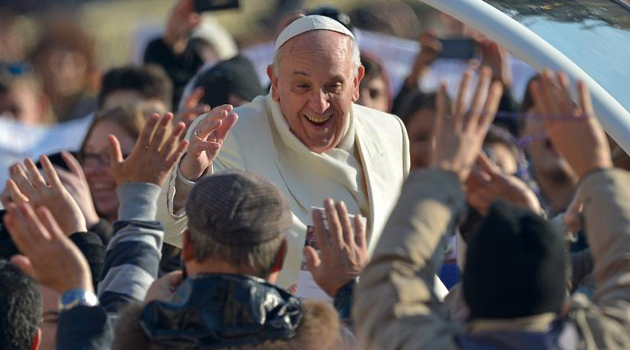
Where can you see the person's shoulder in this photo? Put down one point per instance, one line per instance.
(379, 124)
(253, 109)
(373, 117)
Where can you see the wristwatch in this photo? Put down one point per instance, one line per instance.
(70, 299)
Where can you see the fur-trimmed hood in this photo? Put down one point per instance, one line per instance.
(308, 325)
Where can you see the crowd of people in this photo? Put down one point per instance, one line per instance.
(204, 210)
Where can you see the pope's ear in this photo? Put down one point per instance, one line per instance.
(271, 73)
(357, 83)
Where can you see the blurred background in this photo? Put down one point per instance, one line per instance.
(121, 28)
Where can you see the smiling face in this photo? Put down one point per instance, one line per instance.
(98, 173)
(315, 85)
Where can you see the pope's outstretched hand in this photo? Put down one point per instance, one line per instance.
(206, 140)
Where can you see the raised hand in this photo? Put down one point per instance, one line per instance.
(153, 156)
(163, 288)
(29, 186)
(487, 183)
(498, 59)
(459, 134)
(206, 141)
(343, 249)
(49, 257)
(181, 22)
(430, 48)
(191, 108)
(75, 182)
(574, 130)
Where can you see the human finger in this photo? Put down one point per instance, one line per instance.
(540, 104)
(67, 178)
(157, 139)
(25, 186)
(73, 164)
(173, 140)
(321, 233)
(476, 180)
(334, 225)
(51, 173)
(34, 175)
(178, 154)
(147, 131)
(205, 128)
(5, 197)
(481, 92)
(115, 154)
(346, 225)
(16, 226)
(565, 102)
(193, 100)
(313, 262)
(359, 232)
(190, 114)
(442, 110)
(14, 192)
(218, 113)
(200, 146)
(460, 102)
(549, 94)
(226, 126)
(487, 165)
(585, 99)
(491, 107)
(23, 232)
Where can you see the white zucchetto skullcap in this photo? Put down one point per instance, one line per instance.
(309, 23)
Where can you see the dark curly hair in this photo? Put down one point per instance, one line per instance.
(20, 308)
(149, 81)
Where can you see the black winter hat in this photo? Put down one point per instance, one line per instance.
(515, 266)
(236, 75)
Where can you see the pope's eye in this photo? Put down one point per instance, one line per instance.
(336, 87)
(301, 86)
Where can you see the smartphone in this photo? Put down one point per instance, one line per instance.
(463, 49)
(57, 160)
(215, 5)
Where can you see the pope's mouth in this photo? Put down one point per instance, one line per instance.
(318, 120)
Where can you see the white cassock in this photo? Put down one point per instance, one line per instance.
(366, 171)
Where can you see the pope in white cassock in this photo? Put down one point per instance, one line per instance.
(307, 136)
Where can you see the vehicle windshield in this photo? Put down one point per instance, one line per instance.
(595, 34)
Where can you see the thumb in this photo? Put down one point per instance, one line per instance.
(25, 265)
(115, 154)
(487, 165)
(312, 259)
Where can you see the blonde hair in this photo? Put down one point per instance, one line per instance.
(130, 117)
